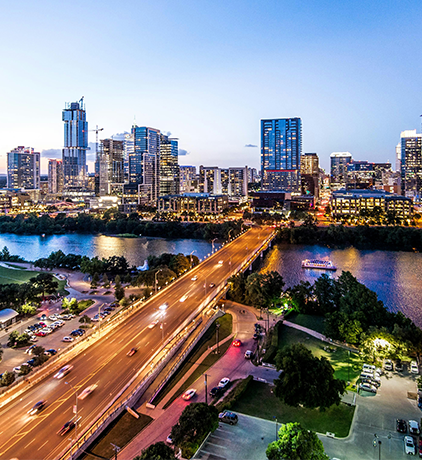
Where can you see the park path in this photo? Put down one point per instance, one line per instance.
(308, 331)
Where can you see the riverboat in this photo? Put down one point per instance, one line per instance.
(319, 264)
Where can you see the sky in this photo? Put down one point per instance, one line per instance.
(208, 71)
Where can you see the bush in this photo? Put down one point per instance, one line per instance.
(7, 379)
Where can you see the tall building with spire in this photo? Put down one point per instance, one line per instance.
(75, 145)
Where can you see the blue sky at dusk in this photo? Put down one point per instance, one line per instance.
(208, 71)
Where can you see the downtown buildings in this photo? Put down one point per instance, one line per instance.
(23, 168)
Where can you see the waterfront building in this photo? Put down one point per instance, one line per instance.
(169, 166)
(111, 159)
(231, 181)
(411, 163)
(193, 203)
(75, 146)
(352, 202)
(23, 168)
(281, 149)
(339, 162)
(55, 176)
(309, 174)
(188, 179)
(238, 181)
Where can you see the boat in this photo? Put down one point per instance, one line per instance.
(319, 264)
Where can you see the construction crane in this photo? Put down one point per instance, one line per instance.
(96, 130)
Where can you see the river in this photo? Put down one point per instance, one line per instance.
(395, 276)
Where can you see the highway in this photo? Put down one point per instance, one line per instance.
(105, 363)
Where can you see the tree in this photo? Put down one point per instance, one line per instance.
(45, 282)
(157, 451)
(119, 292)
(85, 319)
(7, 378)
(106, 282)
(70, 304)
(95, 280)
(296, 443)
(196, 420)
(306, 379)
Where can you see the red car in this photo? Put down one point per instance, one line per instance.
(236, 343)
(41, 334)
(132, 351)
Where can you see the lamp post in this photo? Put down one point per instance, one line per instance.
(229, 233)
(191, 259)
(376, 441)
(212, 242)
(217, 338)
(163, 309)
(76, 419)
(155, 277)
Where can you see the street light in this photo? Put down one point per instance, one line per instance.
(155, 276)
(191, 259)
(76, 418)
(212, 242)
(376, 441)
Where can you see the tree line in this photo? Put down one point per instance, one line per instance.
(114, 222)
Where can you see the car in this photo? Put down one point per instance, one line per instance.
(43, 317)
(388, 365)
(228, 417)
(224, 382)
(66, 317)
(183, 298)
(17, 369)
(60, 322)
(368, 367)
(414, 427)
(37, 407)
(371, 382)
(95, 318)
(63, 371)
(41, 334)
(132, 351)
(399, 366)
(248, 354)
(236, 343)
(28, 351)
(47, 330)
(66, 338)
(51, 351)
(401, 425)
(169, 440)
(75, 333)
(256, 336)
(215, 391)
(87, 391)
(220, 262)
(409, 445)
(414, 369)
(32, 338)
(66, 427)
(212, 285)
(52, 318)
(154, 323)
(368, 387)
(189, 394)
(105, 313)
(31, 362)
(194, 278)
(42, 324)
(109, 308)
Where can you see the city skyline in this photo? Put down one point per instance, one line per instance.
(339, 68)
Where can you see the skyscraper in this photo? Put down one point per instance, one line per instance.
(23, 168)
(411, 163)
(188, 179)
(169, 166)
(281, 149)
(309, 172)
(111, 170)
(55, 176)
(75, 145)
(339, 162)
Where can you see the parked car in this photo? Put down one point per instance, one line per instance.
(189, 394)
(399, 366)
(414, 427)
(248, 354)
(228, 417)
(369, 367)
(67, 339)
(215, 391)
(169, 440)
(31, 362)
(28, 351)
(367, 387)
(409, 446)
(401, 425)
(414, 369)
(224, 382)
(371, 382)
(52, 351)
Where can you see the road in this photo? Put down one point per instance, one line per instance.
(105, 363)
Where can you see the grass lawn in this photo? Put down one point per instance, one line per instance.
(83, 304)
(316, 323)
(201, 347)
(346, 368)
(120, 432)
(10, 275)
(259, 401)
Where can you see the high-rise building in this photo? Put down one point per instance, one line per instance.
(411, 163)
(238, 181)
(339, 162)
(23, 168)
(188, 179)
(309, 173)
(75, 145)
(111, 161)
(169, 166)
(55, 176)
(281, 149)
(210, 180)
(129, 149)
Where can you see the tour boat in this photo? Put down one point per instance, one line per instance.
(321, 264)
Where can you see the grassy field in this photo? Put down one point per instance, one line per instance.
(10, 275)
(259, 401)
(84, 304)
(346, 367)
(201, 347)
(120, 432)
(316, 323)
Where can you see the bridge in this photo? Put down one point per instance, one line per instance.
(155, 327)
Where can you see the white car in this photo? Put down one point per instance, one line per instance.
(87, 391)
(63, 371)
(67, 339)
(17, 369)
(368, 387)
(154, 323)
(189, 394)
(220, 262)
(388, 365)
(414, 369)
(409, 446)
(194, 278)
(183, 298)
(52, 317)
(224, 382)
(414, 427)
(248, 354)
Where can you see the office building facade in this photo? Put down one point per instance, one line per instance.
(188, 179)
(23, 168)
(411, 163)
(55, 176)
(169, 166)
(111, 162)
(338, 169)
(281, 149)
(309, 173)
(75, 146)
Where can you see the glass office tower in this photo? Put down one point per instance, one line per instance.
(75, 145)
(281, 149)
(23, 168)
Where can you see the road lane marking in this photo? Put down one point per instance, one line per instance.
(39, 448)
(29, 443)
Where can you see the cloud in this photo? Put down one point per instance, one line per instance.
(119, 136)
(51, 153)
(167, 133)
(251, 145)
(183, 152)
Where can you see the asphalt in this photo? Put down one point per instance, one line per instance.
(105, 362)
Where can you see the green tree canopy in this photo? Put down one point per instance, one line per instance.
(157, 451)
(306, 379)
(296, 443)
(45, 282)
